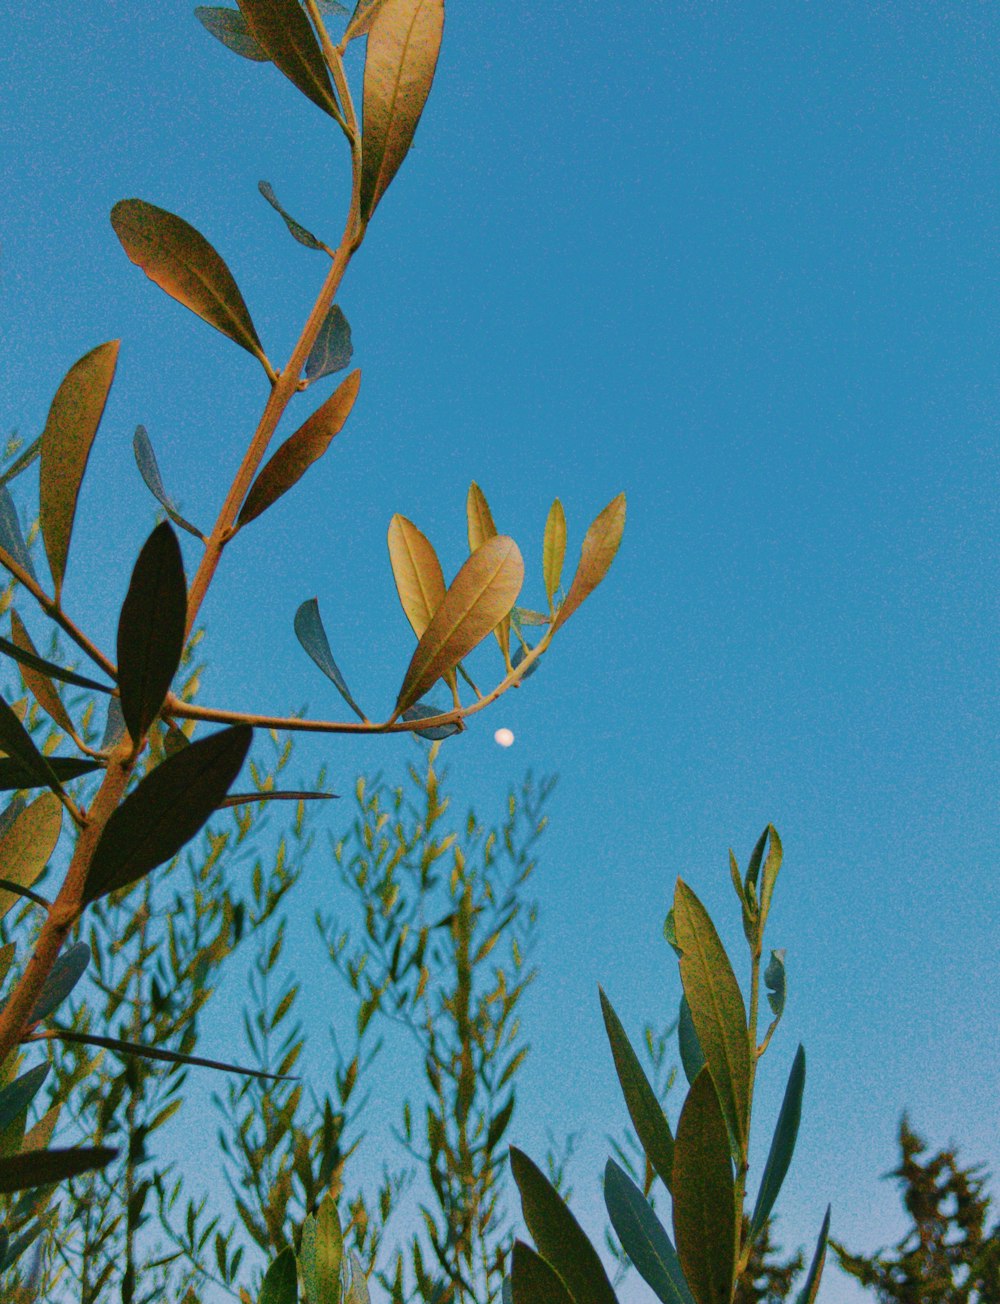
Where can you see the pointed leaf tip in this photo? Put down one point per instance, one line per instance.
(782, 1145)
(282, 30)
(296, 229)
(704, 1211)
(600, 546)
(230, 28)
(333, 348)
(310, 632)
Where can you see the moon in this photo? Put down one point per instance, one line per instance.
(504, 737)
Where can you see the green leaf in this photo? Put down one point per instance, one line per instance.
(312, 636)
(403, 44)
(282, 31)
(808, 1293)
(670, 932)
(128, 1048)
(519, 654)
(554, 549)
(14, 773)
(704, 1198)
(600, 544)
(643, 1238)
(329, 1252)
(333, 348)
(361, 20)
(499, 1124)
(558, 1236)
(296, 455)
(151, 630)
(644, 1109)
(28, 844)
(149, 470)
(771, 866)
(230, 27)
(247, 798)
(481, 528)
(15, 1098)
(756, 858)
(34, 1168)
(533, 1281)
(281, 1284)
(67, 439)
(427, 711)
(25, 657)
(782, 1145)
(63, 977)
(774, 981)
(181, 262)
(166, 810)
(296, 229)
(37, 682)
(11, 538)
(482, 593)
(692, 1057)
(23, 460)
(717, 1008)
(23, 755)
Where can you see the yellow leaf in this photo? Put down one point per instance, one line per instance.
(596, 555)
(417, 572)
(554, 548)
(27, 846)
(41, 685)
(481, 528)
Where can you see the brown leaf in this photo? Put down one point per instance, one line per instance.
(283, 32)
(39, 684)
(598, 552)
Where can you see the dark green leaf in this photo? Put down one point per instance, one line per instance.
(499, 1124)
(151, 630)
(15, 1098)
(149, 470)
(687, 1040)
(558, 1236)
(643, 1238)
(15, 774)
(161, 1053)
(774, 981)
(34, 1168)
(533, 1281)
(166, 810)
(181, 262)
(807, 1294)
(519, 654)
(312, 636)
(114, 725)
(21, 463)
(281, 1284)
(670, 931)
(64, 976)
(756, 858)
(230, 27)
(644, 1109)
(23, 755)
(427, 711)
(11, 538)
(283, 32)
(35, 662)
(297, 230)
(333, 349)
(246, 798)
(704, 1199)
(67, 439)
(403, 44)
(782, 1144)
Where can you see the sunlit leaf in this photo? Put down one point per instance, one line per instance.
(23, 460)
(404, 39)
(481, 528)
(704, 1201)
(807, 1294)
(643, 1238)
(149, 470)
(417, 572)
(329, 1252)
(692, 1058)
(24, 657)
(774, 981)
(160, 1053)
(38, 683)
(166, 810)
(426, 711)
(311, 634)
(782, 1145)
(67, 971)
(44, 1167)
(28, 844)
(11, 538)
(558, 1236)
(230, 27)
(598, 552)
(67, 439)
(297, 230)
(482, 593)
(22, 754)
(14, 773)
(151, 630)
(181, 261)
(525, 616)
(362, 18)
(283, 32)
(554, 549)
(533, 1281)
(333, 349)
(644, 1109)
(717, 1008)
(296, 455)
(15, 1098)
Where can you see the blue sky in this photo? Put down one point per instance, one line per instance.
(737, 260)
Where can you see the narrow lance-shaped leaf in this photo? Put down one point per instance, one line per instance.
(782, 1145)
(181, 262)
(554, 549)
(403, 44)
(67, 439)
(533, 1281)
(34, 1168)
(160, 1053)
(704, 1199)
(643, 1238)
(23, 460)
(481, 528)
(297, 230)
(36, 680)
(482, 593)
(296, 455)
(362, 18)
(333, 348)
(230, 27)
(166, 810)
(807, 1294)
(151, 630)
(63, 977)
(644, 1109)
(26, 657)
(329, 1252)
(114, 725)
(249, 798)
(23, 756)
(600, 544)
(717, 1008)
(770, 874)
(558, 1236)
(18, 1095)
(418, 576)
(27, 845)
(692, 1057)
(311, 634)
(11, 538)
(282, 30)
(149, 470)
(14, 773)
